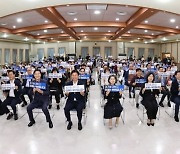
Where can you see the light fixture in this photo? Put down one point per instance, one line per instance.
(26, 39)
(58, 41)
(67, 5)
(146, 21)
(117, 19)
(152, 34)
(97, 12)
(85, 37)
(121, 13)
(38, 34)
(5, 35)
(138, 38)
(152, 41)
(95, 28)
(44, 42)
(145, 31)
(129, 32)
(172, 20)
(109, 41)
(19, 20)
(80, 40)
(177, 27)
(45, 31)
(131, 41)
(3, 24)
(70, 37)
(72, 13)
(164, 39)
(82, 31)
(145, 42)
(75, 19)
(109, 31)
(120, 37)
(46, 21)
(37, 41)
(62, 31)
(14, 26)
(51, 38)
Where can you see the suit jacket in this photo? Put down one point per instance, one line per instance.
(17, 92)
(77, 95)
(174, 89)
(41, 97)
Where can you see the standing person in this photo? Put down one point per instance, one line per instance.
(175, 94)
(76, 100)
(149, 100)
(113, 107)
(41, 100)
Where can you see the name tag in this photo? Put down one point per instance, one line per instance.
(75, 88)
(115, 88)
(55, 75)
(152, 85)
(40, 85)
(7, 86)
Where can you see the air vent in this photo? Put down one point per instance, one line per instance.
(96, 7)
(121, 13)
(71, 13)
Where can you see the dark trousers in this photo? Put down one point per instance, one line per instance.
(26, 91)
(11, 101)
(36, 104)
(78, 106)
(57, 96)
(152, 108)
(177, 103)
(165, 93)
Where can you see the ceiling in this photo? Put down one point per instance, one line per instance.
(88, 22)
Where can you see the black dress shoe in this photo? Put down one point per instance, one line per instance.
(69, 125)
(50, 106)
(10, 115)
(58, 107)
(79, 126)
(148, 124)
(130, 96)
(50, 124)
(133, 95)
(169, 104)
(15, 117)
(176, 118)
(137, 105)
(152, 124)
(31, 123)
(161, 104)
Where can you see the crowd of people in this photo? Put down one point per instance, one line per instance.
(40, 80)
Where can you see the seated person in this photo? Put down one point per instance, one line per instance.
(149, 100)
(26, 89)
(55, 85)
(41, 100)
(12, 96)
(76, 100)
(175, 94)
(113, 107)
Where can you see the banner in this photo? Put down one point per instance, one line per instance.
(115, 88)
(140, 80)
(7, 86)
(40, 85)
(84, 77)
(27, 76)
(152, 85)
(55, 75)
(75, 88)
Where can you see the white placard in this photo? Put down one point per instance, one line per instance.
(104, 75)
(55, 75)
(44, 70)
(74, 88)
(132, 71)
(152, 85)
(4, 78)
(7, 86)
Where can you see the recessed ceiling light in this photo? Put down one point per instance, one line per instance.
(152, 34)
(109, 31)
(95, 28)
(38, 34)
(19, 20)
(72, 13)
(121, 13)
(62, 32)
(14, 26)
(70, 37)
(131, 41)
(82, 31)
(109, 41)
(75, 19)
(146, 21)
(58, 41)
(146, 42)
(152, 41)
(117, 19)
(51, 38)
(37, 41)
(46, 21)
(177, 27)
(97, 12)
(80, 40)
(5, 35)
(138, 38)
(26, 39)
(3, 24)
(68, 5)
(145, 31)
(85, 37)
(120, 37)
(172, 20)
(129, 32)
(177, 39)
(45, 31)
(44, 42)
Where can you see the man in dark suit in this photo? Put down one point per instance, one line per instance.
(76, 100)
(26, 89)
(175, 94)
(12, 96)
(41, 100)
